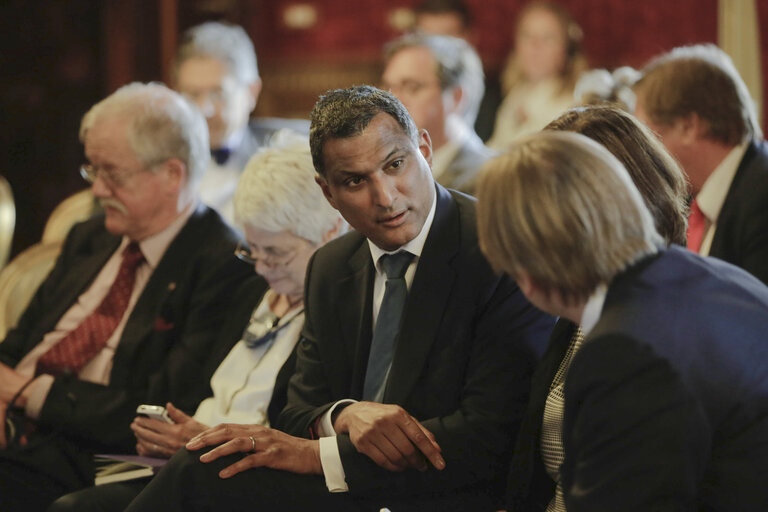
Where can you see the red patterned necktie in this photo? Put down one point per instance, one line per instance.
(81, 345)
(697, 226)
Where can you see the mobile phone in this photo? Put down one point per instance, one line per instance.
(156, 412)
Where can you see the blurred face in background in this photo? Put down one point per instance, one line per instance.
(225, 102)
(411, 75)
(540, 45)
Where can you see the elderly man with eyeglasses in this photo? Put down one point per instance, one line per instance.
(129, 313)
(285, 218)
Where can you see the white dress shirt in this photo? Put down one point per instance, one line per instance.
(330, 458)
(243, 383)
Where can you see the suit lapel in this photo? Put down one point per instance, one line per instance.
(149, 309)
(427, 299)
(75, 282)
(722, 241)
(355, 292)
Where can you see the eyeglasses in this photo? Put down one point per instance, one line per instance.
(273, 259)
(113, 177)
(217, 96)
(408, 87)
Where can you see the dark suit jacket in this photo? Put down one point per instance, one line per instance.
(741, 236)
(462, 363)
(167, 341)
(666, 402)
(461, 172)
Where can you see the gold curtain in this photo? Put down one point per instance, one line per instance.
(739, 36)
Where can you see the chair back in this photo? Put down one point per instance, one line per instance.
(7, 220)
(76, 208)
(20, 280)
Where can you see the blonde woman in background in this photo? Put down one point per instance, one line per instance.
(540, 75)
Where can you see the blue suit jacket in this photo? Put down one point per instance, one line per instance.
(666, 403)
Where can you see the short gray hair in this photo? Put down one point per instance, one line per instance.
(458, 65)
(562, 209)
(229, 44)
(344, 113)
(277, 192)
(163, 125)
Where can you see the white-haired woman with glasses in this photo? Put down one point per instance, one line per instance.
(285, 218)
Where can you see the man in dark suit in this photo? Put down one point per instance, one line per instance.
(216, 68)
(661, 401)
(412, 413)
(694, 98)
(439, 79)
(130, 311)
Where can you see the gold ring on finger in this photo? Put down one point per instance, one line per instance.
(253, 443)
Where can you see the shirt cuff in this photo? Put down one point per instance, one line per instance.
(325, 426)
(333, 470)
(38, 392)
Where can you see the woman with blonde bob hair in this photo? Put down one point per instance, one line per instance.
(536, 197)
(630, 412)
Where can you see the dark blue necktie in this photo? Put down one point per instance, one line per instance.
(221, 155)
(387, 324)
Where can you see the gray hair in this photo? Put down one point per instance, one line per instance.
(163, 125)
(226, 43)
(343, 113)
(458, 65)
(277, 192)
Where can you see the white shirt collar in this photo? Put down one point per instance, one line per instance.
(154, 247)
(593, 309)
(712, 194)
(416, 245)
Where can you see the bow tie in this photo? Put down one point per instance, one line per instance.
(221, 155)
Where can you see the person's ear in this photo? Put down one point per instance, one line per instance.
(254, 90)
(457, 101)
(336, 230)
(323, 184)
(692, 128)
(526, 284)
(425, 146)
(176, 174)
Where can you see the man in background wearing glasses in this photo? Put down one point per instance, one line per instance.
(216, 69)
(130, 311)
(439, 79)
